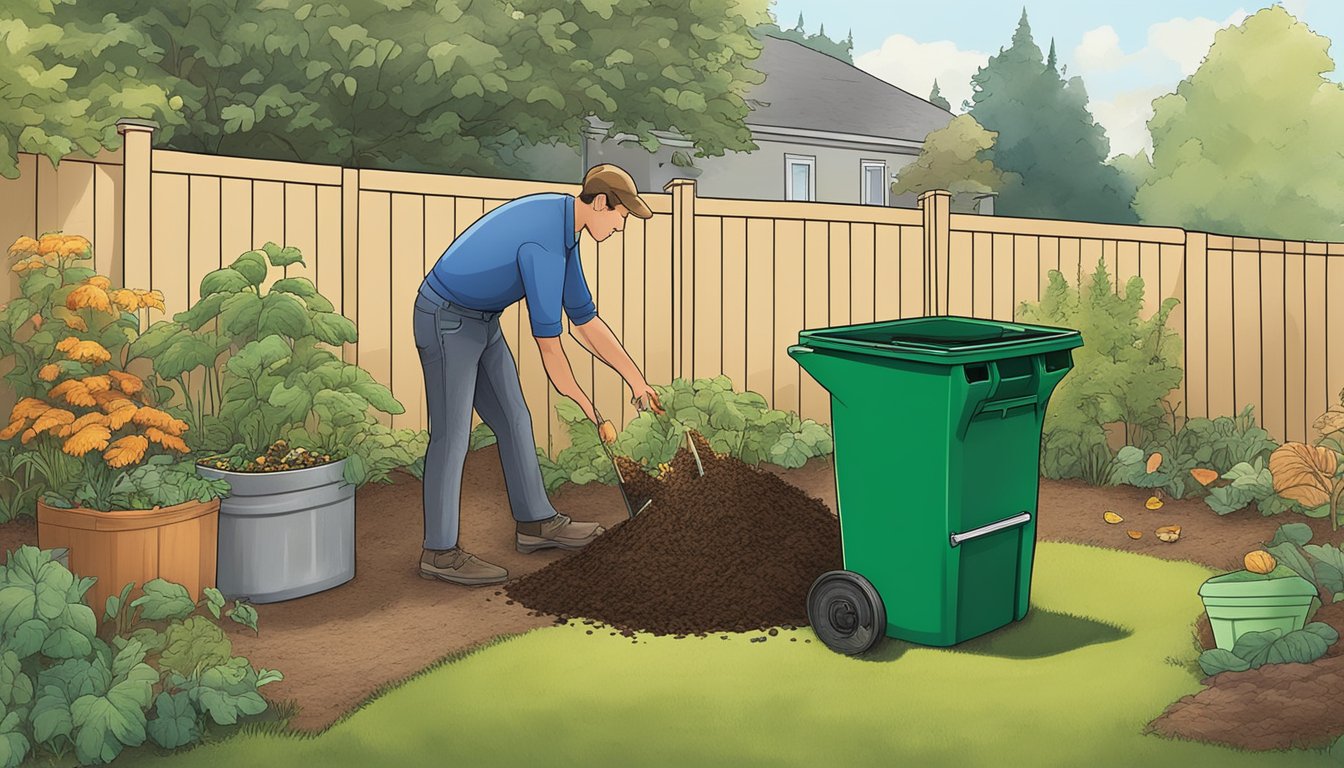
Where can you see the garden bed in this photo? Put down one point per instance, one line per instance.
(340, 647)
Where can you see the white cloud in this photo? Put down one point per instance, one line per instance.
(1100, 51)
(913, 66)
(1125, 118)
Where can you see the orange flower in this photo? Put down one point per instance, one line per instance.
(128, 450)
(96, 383)
(128, 382)
(75, 245)
(99, 281)
(166, 440)
(89, 352)
(67, 344)
(82, 422)
(89, 295)
(153, 417)
(28, 434)
(56, 417)
(49, 244)
(24, 266)
(49, 372)
(37, 322)
(74, 392)
(126, 299)
(90, 438)
(150, 299)
(23, 246)
(13, 429)
(119, 416)
(29, 408)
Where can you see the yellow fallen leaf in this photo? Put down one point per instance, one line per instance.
(1135, 534)
(1153, 503)
(1169, 533)
(1154, 461)
(1112, 518)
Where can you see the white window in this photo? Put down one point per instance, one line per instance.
(873, 177)
(800, 177)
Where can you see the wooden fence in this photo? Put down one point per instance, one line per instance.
(705, 287)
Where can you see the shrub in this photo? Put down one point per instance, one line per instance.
(1313, 475)
(1121, 374)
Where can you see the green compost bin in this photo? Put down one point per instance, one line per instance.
(937, 424)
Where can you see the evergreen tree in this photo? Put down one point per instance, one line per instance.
(936, 98)
(1051, 150)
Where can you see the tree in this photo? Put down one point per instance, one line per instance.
(952, 159)
(62, 89)
(1047, 139)
(1250, 143)
(936, 98)
(421, 84)
(817, 41)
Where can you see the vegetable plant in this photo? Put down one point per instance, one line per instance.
(85, 423)
(1321, 564)
(267, 372)
(1255, 649)
(1122, 373)
(1313, 475)
(161, 668)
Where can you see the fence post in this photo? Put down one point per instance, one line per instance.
(137, 137)
(350, 256)
(937, 207)
(683, 262)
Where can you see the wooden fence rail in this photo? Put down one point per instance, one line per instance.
(706, 286)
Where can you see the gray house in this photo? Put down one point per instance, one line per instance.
(826, 131)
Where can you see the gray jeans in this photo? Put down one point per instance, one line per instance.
(467, 363)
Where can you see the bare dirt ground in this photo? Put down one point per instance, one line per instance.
(340, 647)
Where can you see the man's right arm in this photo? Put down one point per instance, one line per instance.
(556, 363)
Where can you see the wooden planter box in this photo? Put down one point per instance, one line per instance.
(176, 543)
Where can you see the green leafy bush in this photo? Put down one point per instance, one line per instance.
(165, 674)
(1255, 649)
(1121, 374)
(269, 373)
(1321, 564)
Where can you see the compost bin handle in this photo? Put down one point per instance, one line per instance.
(985, 530)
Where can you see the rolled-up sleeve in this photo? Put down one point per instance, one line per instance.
(544, 285)
(578, 299)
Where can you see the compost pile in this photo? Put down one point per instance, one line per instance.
(735, 550)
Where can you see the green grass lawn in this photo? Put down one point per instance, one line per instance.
(1107, 647)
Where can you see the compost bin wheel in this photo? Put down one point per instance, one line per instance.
(846, 612)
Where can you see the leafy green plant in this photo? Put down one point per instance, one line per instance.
(163, 674)
(1122, 373)
(1321, 564)
(1255, 649)
(268, 372)
(1235, 449)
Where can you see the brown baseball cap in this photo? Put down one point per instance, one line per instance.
(616, 184)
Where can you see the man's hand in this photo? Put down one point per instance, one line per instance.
(643, 396)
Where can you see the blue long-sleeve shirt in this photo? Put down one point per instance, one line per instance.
(524, 249)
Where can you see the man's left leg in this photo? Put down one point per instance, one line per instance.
(499, 401)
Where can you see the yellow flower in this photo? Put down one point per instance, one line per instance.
(90, 438)
(120, 414)
(74, 392)
(56, 417)
(49, 372)
(75, 245)
(50, 244)
(99, 281)
(28, 434)
(128, 450)
(82, 422)
(96, 383)
(24, 266)
(150, 299)
(89, 352)
(126, 299)
(13, 429)
(29, 408)
(166, 440)
(128, 382)
(89, 295)
(67, 344)
(24, 246)
(153, 417)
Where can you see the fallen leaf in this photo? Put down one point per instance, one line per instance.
(1112, 518)
(1135, 534)
(1169, 533)
(1154, 462)
(1203, 476)
(1153, 503)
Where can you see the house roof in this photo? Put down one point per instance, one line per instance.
(808, 89)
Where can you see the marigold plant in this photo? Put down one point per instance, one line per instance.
(68, 334)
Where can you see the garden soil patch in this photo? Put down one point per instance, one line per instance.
(735, 550)
(339, 647)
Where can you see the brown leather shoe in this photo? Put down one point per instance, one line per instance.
(558, 532)
(459, 567)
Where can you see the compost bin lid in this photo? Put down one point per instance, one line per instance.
(943, 339)
(1281, 582)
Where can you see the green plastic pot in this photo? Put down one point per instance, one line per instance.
(1241, 602)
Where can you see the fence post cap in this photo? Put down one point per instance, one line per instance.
(136, 124)
(669, 186)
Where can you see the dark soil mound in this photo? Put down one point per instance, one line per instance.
(735, 550)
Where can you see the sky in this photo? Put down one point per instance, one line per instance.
(1126, 55)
